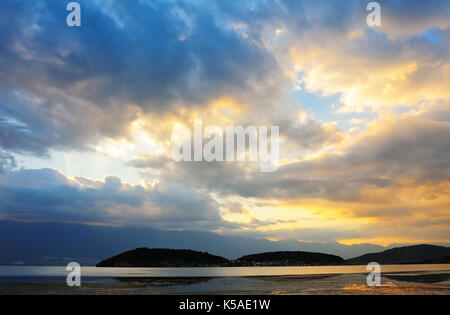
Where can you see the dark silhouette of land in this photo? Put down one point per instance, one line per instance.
(437, 260)
(144, 257)
(289, 259)
(415, 254)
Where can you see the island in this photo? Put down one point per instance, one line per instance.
(159, 257)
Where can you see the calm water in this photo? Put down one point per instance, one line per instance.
(396, 279)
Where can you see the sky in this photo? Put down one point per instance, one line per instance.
(87, 114)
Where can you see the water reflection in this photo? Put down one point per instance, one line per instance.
(163, 282)
(233, 281)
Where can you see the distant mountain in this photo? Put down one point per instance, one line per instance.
(403, 255)
(144, 257)
(52, 243)
(289, 259)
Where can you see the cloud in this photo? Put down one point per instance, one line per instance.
(396, 169)
(374, 72)
(7, 161)
(404, 148)
(403, 19)
(118, 85)
(331, 50)
(35, 195)
(68, 87)
(150, 161)
(303, 132)
(393, 150)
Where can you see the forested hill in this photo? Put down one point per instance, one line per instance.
(144, 257)
(404, 255)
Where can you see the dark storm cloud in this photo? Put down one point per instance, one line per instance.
(49, 195)
(127, 57)
(132, 56)
(17, 137)
(141, 53)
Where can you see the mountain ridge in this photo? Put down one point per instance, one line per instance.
(51, 243)
(403, 255)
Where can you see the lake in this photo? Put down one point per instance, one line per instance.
(396, 279)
